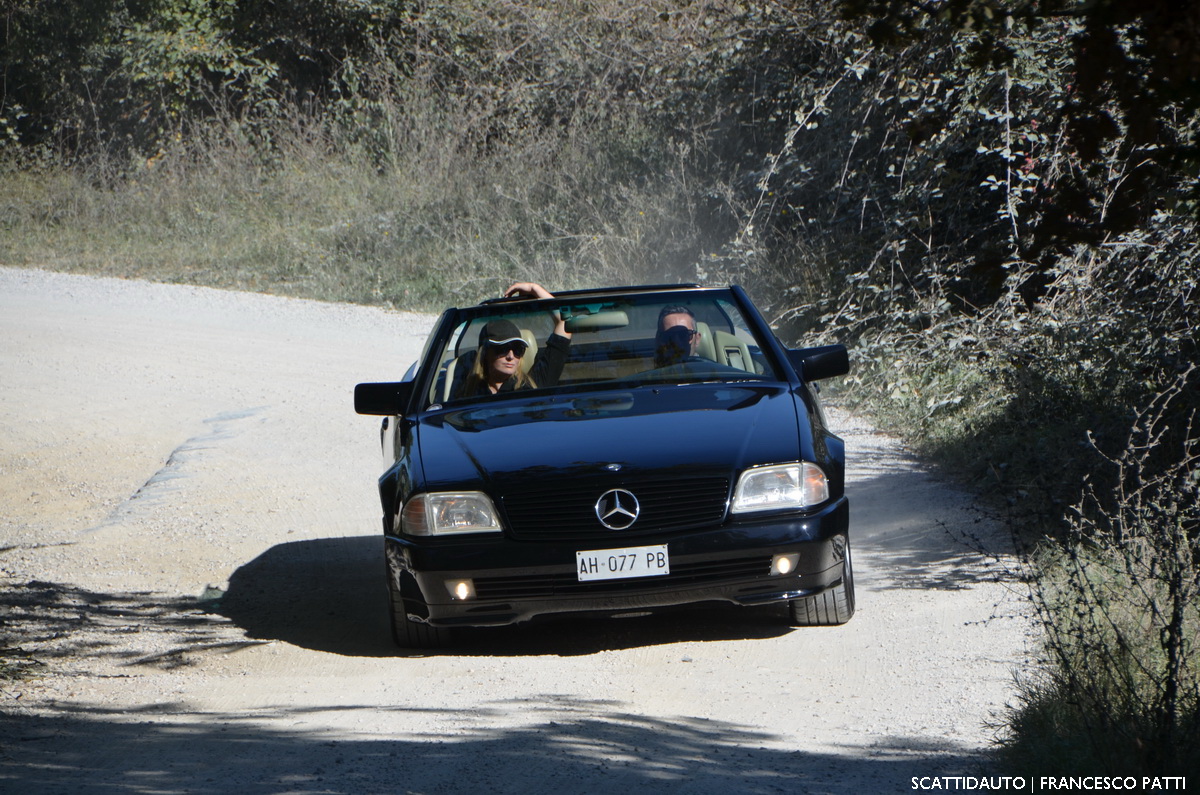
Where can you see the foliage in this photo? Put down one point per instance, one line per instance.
(124, 73)
(1018, 352)
(1120, 601)
(1115, 139)
(927, 189)
(434, 164)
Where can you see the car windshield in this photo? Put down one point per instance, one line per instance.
(614, 342)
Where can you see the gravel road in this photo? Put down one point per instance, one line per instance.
(191, 566)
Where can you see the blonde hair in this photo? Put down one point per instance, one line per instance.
(477, 378)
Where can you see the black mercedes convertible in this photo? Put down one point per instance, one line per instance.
(609, 452)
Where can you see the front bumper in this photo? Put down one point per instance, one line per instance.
(517, 581)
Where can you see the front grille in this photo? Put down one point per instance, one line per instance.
(567, 511)
(546, 586)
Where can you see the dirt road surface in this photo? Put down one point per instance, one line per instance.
(189, 547)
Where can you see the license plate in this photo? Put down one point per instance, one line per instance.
(613, 564)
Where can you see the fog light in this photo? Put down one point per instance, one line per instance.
(785, 564)
(461, 589)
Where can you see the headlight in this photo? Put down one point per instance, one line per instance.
(768, 488)
(447, 513)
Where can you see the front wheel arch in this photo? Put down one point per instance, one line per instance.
(830, 608)
(404, 596)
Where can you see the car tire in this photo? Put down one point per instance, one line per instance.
(406, 633)
(828, 608)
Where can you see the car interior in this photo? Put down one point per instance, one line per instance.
(608, 344)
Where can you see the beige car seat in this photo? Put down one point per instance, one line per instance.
(723, 348)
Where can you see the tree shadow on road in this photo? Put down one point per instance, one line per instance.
(561, 745)
(48, 623)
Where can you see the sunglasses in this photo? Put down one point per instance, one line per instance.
(504, 348)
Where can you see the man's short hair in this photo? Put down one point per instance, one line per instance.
(675, 310)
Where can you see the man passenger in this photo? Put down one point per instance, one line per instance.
(677, 339)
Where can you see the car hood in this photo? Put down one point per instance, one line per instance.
(674, 431)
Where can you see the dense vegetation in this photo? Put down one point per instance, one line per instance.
(993, 202)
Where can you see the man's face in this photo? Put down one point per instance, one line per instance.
(688, 322)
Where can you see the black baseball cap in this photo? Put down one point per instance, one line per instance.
(500, 332)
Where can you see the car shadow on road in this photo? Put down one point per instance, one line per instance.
(329, 595)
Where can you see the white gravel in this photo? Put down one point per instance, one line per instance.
(189, 543)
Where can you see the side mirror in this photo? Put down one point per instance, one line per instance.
(382, 399)
(827, 361)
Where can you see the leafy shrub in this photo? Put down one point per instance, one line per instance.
(1120, 603)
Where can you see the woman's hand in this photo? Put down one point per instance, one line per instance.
(535, 290)
(531, 289)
